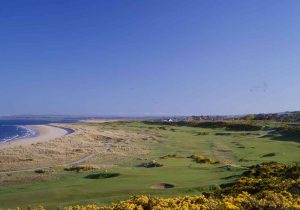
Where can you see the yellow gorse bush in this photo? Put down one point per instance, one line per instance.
(203, 159)
(242, 201)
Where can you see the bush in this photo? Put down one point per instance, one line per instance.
(102, 175)
(203, 159)
(151, 164)
(40, 171)
(80, 168)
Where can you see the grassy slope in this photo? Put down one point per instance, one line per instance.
(187, 176)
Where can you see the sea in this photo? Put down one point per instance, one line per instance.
(15, 129)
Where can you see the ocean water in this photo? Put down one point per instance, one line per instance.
(12, 132)
(15, 129)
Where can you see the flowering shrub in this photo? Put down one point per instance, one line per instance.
(244, 200)
(203, 159)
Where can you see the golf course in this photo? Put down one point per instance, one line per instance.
(145, 158)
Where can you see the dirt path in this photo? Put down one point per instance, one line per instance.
(82, 160)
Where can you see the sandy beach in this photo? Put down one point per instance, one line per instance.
(44, 133)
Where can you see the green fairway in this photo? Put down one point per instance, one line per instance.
(236, 149)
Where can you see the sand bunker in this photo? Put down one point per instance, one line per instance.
(162, 186)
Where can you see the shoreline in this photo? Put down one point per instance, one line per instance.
(43, 133)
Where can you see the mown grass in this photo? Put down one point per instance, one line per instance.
(186, 175)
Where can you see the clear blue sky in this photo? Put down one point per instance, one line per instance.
(149, 57)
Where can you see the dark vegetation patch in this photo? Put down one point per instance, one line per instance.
(223, 134)
(151, 164)
(104, 175)
(242, 127)
(162, 186)
(26, 159)
(80, 168)
(272, 154)
(224, 150)
(245, 160)
(229, 125)
(201, 133)
(43, 171)
(40, 171)
(77, 150)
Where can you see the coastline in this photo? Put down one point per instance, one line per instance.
(43, 133)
